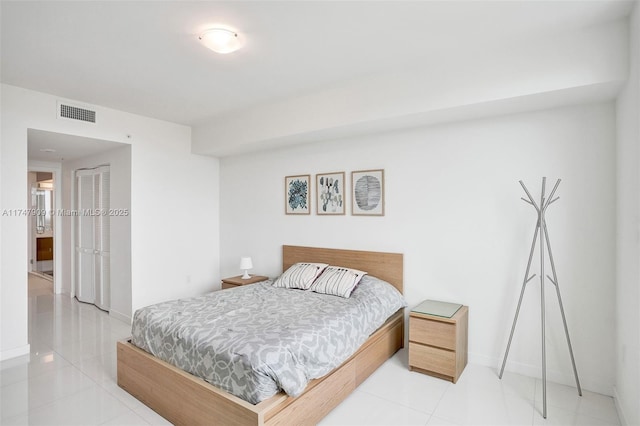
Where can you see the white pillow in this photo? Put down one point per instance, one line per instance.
(300, 275)
(337, 281)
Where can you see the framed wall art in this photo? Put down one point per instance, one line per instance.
(367, 193)
(330, 196)
(297, 194)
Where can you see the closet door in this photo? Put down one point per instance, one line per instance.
(84, 274)
(92, 272)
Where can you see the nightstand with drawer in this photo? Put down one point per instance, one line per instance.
(237, 281)
(438, 342)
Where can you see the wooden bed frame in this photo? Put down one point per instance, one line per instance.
(184, 399)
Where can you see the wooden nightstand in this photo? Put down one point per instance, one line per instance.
(238, 281)
(437, 344)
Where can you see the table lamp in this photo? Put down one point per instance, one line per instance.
(245, 263)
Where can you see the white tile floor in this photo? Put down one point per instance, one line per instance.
(70, 379)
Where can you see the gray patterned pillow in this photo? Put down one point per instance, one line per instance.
(337, 281)
(301, 275)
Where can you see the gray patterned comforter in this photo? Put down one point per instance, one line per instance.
(253, 341)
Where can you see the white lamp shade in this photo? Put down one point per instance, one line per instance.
(245, 263)
(220, 40)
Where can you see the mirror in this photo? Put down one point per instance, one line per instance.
(43, 210)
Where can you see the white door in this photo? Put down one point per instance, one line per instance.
(85, 289)
(92, 237)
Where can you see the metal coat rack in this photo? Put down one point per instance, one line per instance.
(541, 230)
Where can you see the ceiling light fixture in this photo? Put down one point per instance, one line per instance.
(47, 150)
(220, 40)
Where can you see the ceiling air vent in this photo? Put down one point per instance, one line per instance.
(76, 113)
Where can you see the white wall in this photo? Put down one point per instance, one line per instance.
(453, 208)
(628, 237)
(119, 160)
(174, 206)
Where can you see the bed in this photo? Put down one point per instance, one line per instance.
(185, 399)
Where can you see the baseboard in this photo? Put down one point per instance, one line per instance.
(119, 316)
(16, 352)
(535, 371)
(619, 409)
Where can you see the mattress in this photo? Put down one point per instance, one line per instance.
(254, 341)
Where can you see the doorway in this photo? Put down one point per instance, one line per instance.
(44, 225)
(63, 155)
(41, 224)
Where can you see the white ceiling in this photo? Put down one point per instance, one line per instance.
(144, 57)
(67, 147)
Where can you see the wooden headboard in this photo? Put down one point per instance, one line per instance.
(386, 266)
